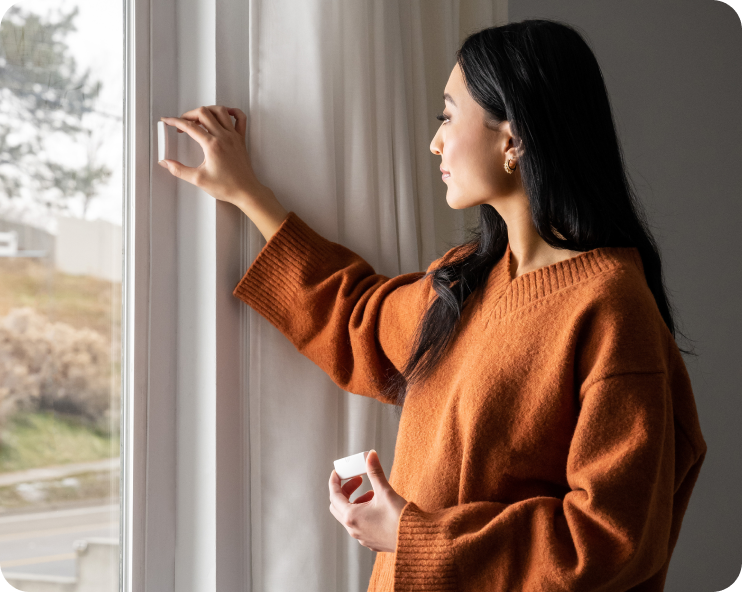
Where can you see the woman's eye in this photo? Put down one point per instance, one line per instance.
(441, 117)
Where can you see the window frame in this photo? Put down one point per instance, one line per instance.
(148, 456)
(185, 485)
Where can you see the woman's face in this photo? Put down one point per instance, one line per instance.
(473, 154)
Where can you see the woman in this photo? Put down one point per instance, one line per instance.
(549, 438)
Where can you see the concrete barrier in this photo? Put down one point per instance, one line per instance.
(40, 583)
(97, 571)
(97, 565)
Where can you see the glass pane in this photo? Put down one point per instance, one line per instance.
(61, 195)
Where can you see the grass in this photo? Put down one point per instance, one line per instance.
(31, 440)
(42, 439)
(102, 486)
(80, 301)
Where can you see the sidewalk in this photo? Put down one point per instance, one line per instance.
(59, 471)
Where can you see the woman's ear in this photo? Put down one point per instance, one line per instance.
(514, 146)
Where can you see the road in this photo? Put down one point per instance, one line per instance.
(42, 542)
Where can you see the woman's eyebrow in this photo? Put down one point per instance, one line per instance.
(447, 97)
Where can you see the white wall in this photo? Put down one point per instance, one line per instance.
(88, 247)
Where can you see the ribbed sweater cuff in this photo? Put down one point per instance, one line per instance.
(424, 557)
(281, 267)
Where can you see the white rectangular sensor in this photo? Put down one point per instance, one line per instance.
(162, 141)
(351, 466)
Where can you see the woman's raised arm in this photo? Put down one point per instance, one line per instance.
(352, 322)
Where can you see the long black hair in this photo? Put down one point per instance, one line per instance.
(542, 77)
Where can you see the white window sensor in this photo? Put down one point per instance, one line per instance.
(351, 466)
(163, 146)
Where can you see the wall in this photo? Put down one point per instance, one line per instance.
(80, 247)
(88, 247)
(674, 78)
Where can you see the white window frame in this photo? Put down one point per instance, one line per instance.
(185, 484)
(147, 495)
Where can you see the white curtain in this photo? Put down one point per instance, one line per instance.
(343, 97)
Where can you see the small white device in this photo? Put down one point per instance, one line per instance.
(163, 145)
(351, 466)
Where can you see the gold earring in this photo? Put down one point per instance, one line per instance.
(507, 167)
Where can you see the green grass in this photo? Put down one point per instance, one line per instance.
(31, 440)
(100, 487)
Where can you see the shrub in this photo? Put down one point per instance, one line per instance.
(52, 366)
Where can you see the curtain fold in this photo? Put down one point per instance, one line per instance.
(342, 105)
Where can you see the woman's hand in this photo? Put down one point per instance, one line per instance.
(374, 516)
(226, 172)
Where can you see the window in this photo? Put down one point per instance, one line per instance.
(61, 261)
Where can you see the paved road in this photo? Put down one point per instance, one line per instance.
(41, 542)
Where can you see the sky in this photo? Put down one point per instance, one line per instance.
(97, 44)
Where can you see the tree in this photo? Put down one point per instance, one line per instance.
(42, 93)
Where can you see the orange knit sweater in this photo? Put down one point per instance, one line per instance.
(555, 447)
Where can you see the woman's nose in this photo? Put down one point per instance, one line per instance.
(434, 144)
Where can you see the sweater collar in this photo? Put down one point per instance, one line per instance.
(504, 294)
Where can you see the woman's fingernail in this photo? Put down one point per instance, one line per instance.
(162, 163)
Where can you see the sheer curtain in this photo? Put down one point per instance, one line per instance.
(342, 104)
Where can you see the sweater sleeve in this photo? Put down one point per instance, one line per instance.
(355, 324)
(611, 532)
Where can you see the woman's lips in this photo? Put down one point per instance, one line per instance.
(446, 174)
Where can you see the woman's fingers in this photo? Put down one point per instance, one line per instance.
(368, 496)
(191, 129)
(181, 171)
(222, 116)
(337, 495)
(226, 172)
(241, 125)
(351, 486)
(206, 116)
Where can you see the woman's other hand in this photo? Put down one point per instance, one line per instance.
(374, 516)
(226, 172)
